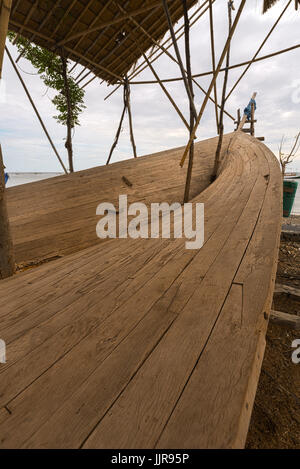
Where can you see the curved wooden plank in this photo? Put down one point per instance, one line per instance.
(120, 347)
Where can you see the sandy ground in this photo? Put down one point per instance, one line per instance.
(276, 415)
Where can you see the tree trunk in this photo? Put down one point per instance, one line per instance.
(70, 125)
(7, 261)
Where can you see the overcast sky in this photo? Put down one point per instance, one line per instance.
(156, 124)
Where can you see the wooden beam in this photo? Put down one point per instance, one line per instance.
(293, 292)
(285, 319)
(179, 60)
(5, 8)
(213, 57)
(190, 82)
(7, 261)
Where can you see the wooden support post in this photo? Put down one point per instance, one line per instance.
(244, 119)
(5, 7)
(7, 261)
(70, 123)
(252, 130)
(213, 81)
(190, 82)
(179, 60)
(35, 110)
(213, 56)
(117, 135)
(238, 120)
(285, 319)
(221, 120)
(128, 105)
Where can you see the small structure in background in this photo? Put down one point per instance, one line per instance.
(289, 187)
(287, 158)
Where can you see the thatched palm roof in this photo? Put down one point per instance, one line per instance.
(99, 34)
(269, 3)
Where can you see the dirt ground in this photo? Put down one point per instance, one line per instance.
(275, 419)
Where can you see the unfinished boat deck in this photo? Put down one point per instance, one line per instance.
(143, 343)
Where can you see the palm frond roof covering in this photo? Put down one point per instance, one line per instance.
(102, 35)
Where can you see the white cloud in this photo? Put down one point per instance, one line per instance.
(156, 124)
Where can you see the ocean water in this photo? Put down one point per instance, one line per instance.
(15, 179)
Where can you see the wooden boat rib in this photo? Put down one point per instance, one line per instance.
(143, 343)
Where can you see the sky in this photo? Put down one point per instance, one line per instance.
(156, 124)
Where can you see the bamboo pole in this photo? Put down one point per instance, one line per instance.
(70, 123)
(190, 82)
(179, 60)
(213, 57)
(5, 8)
(235, 23)
(258, 50)
(221, 122)
(7, 261)
(128, 105)
(252, 128)
(117, 135)
(35, 110)
(164, 50)
(204, 74)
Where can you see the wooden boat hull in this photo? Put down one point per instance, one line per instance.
(143, 343)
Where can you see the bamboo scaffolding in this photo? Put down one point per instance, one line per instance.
(176, 61)
(221, 120)
(117, 135)
(35, 110)
(70, 123)
(179, 60)
(128, 105)
(235, 23)
(5, 8)
(190, 83)
(7, 260)
(259, 49)
(213, 58)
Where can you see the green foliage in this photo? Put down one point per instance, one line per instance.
(49, 66)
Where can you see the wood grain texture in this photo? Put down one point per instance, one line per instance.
(58, 216)
(143, 343)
